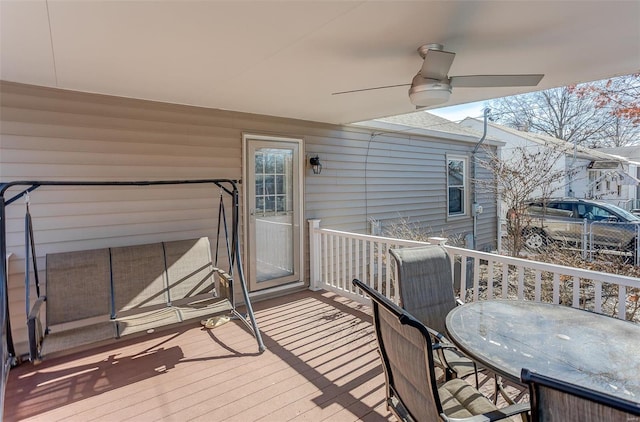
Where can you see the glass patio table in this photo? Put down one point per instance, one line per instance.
(577, 346)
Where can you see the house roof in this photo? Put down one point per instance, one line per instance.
(287, 58)
(581, 151)
(428, 124)
(631, 152)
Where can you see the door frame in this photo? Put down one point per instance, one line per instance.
(299, 221)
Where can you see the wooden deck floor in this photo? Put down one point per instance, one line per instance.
(321, 363)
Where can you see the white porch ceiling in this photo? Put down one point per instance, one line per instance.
(287, 58)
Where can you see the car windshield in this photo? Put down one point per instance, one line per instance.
(623, 213)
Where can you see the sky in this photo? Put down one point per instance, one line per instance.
(460, 112)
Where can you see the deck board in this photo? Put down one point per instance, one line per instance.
(320, 364)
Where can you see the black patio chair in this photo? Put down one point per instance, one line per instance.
(412, 393)
(556, 400)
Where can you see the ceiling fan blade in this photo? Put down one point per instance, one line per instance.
(368, 89)
(480, 81)
(436, 64)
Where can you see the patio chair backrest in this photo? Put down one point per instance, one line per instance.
(405, 348)
(425, 283)
(556, 400)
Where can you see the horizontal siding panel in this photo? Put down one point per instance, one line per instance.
(114, 172)
(112, 159)
(49, 117)
(114, 231)
(110, 208)
(81, 194)
(74, 132)
(221, 147)
(63, 222)
(38, 98)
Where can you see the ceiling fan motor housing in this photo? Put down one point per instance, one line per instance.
(428, 92)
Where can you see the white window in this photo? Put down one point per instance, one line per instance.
(593, 176)
(456, 185)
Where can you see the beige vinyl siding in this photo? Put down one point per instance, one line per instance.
(403, 177)
(61, 135)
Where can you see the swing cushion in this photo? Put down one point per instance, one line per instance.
(189, 270)
(139, 280)
(78, 288)
(75, 338)
(174, 284)
(99, 295)
(77, 285)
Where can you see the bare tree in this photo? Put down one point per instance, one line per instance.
(602, 113)
(528, 172)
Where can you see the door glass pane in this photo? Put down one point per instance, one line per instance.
(260, 185)
(259, 163)
(274, 219)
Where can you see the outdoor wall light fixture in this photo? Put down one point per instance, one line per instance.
(316, 166)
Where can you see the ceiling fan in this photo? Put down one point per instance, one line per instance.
(432, 85)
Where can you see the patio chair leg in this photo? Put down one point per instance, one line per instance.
(500, 389)
(475, 372)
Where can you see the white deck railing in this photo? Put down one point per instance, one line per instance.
(338, 257)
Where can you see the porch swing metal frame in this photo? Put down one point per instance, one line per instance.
(228, 186)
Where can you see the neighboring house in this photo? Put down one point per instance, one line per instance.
(631, 153)
(590, 173)
(381, 173)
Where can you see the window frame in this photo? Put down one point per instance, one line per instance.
(464, 186)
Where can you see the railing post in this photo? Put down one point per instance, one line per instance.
(315, 257)
(437, 240)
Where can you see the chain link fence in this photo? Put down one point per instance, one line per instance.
(613, 238)
(593, 240)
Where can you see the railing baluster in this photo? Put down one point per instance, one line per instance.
(476, 279)
(597, 291)
(575, 285)
(357, 262)
(520, 270)
(379, 258)
(365, 254)
(538, 288)
(622, 302)
(505, 280)
(342, 263)
(556, 288)
(372, 274)
(490, 276)
(325, 258)
(463, 277)
(387, 272)
(331, 263)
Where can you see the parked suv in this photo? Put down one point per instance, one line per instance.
(610, 227)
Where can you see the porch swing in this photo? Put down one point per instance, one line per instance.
(99, 295)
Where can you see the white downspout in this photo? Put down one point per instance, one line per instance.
(475, 208)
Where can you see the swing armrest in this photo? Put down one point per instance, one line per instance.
(35, 311)
(34, 326)
(225, 284)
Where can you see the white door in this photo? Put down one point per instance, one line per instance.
(273, 217)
